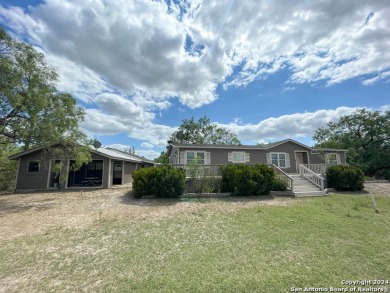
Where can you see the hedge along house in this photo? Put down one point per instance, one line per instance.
(288, 157)
(109, 167)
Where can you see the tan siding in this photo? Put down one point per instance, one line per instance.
(316, 159)
(320, 158)
(33, 181)
(290, 148)
(129, 168)
(38, 181)
(219, 156)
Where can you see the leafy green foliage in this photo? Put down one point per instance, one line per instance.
(345, 178)
(162, 159)
(243, 180)
(203, 132)
(228, 173)
(8, 168)
(32, 111)
(278, 184)
(366, 135)
(203, 185)
(158, 181)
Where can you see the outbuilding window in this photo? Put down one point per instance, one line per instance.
(33, 167)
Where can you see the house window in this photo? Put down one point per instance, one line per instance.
(195, 157)
(238, 157)
(279, 159)
(332, 159)
(33, 167)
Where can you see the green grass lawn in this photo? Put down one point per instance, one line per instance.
(317, 242)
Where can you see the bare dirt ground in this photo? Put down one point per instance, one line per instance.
(36, 213)
(32, 213)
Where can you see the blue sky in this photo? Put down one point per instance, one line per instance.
(266, 70)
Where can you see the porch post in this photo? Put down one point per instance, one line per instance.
(109, 183)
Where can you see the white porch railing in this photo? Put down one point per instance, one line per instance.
(317, 168)
(193, 171)
(287, 179)
(312, 176)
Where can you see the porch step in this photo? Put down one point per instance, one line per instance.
(312, 193)
(303, 187)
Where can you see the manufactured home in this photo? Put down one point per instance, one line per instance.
(286, 155)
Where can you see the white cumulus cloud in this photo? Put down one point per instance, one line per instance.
(287, 126)
(127, 60)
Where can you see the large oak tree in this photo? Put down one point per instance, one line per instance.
(366, 134)
(32, 111)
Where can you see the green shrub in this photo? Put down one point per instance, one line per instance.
(158, 181)
(278, 184)
(228, 173)
(244, 180)
(383, 174)
(203, 185)
(386, 175)
(345, 178)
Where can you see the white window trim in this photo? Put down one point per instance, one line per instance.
(195, 155)
(243, 153)
(286, 159)
(39, 166)
(230, 158)
(338, 159)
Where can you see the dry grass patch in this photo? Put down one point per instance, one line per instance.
(36, 213)
(202, 245)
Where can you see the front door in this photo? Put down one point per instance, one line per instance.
(301, 158)
(117, 173)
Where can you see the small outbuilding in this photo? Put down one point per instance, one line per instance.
(38, 169)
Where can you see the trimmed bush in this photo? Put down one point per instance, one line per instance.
(244, 180)
(228, 173)
(278, 185)
(159, 182)
(345, 178)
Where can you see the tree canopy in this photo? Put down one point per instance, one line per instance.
(366, 134)
(32, 110)
(203, 132)
(162, 159)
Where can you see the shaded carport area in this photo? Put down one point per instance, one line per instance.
(88, 175)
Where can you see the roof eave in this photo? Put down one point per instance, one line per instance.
(329, 150)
